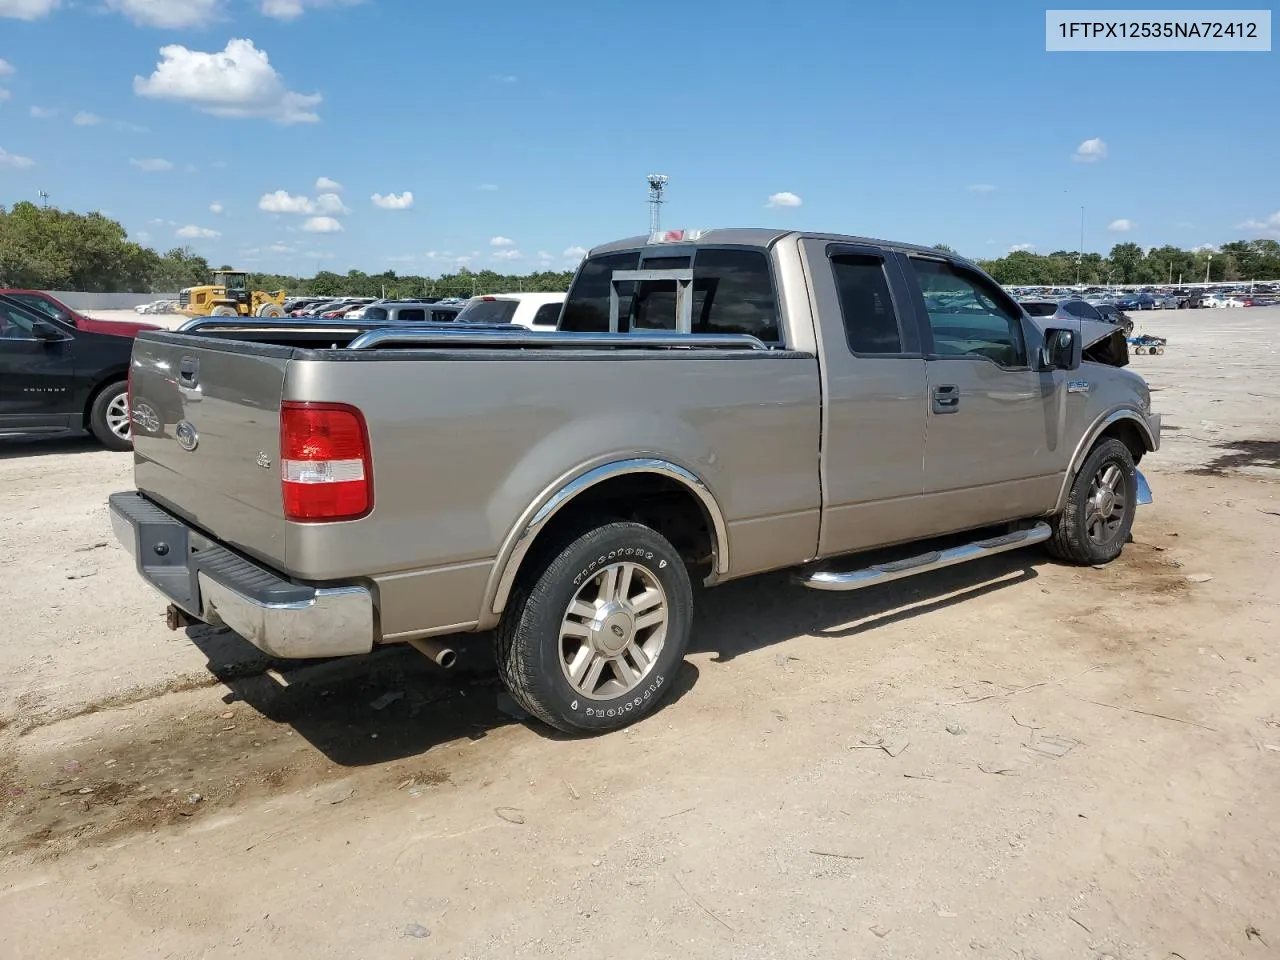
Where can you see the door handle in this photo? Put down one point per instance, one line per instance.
(946, 398)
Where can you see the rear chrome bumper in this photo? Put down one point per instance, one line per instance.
(279, 617)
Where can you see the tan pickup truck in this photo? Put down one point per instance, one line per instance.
(714, 404)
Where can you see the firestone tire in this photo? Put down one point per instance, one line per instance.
(1100, 507)
(593, 640)
(104, 417)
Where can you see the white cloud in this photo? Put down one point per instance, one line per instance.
(503, 78)
(13, 161)
(168, 14)
(502, 242)
(1121, 225)
(42, 113)
(236, 82)
(192, 232)
(325, 185)
(488, 187)
(1205, 248)
(215, 207)
(981, 187)
(284, 202)
(152, 164)
(393, 202)
(1024, 247)
(322, 225)
(508, 255)
(575, 253)
(292, 9)
(27, 9)
(1269, 225)
(784, 199)
(6, 68)
(1090, 151)
(330, 203)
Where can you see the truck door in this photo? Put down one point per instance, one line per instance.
(37, 375)
(994, 438)
(872, 398)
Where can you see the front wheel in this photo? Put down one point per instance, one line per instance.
(593, 642)
(1100, 507)
(109, 417)
(271, 310)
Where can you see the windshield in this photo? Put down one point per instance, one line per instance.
(488, 310)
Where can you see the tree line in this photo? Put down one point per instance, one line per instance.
(45, 248)
(1127, 263)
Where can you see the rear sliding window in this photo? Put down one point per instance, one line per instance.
(483, 310)
(732, 293)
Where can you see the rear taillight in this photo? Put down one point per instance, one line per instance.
(326, 470)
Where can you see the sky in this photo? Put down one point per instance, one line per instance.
(297, 135)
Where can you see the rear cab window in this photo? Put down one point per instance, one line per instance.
(732, 292)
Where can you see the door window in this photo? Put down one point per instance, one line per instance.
(969, 315)
(412, 315)
(870, 323)
(15, 326)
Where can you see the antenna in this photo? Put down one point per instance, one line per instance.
(657, 184)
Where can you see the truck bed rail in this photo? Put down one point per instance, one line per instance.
(445, 336)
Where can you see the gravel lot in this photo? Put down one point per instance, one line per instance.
(1073, 762)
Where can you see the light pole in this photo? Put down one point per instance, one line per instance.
(1206, 268)
(1080, 249)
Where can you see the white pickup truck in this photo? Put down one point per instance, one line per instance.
(713, 405)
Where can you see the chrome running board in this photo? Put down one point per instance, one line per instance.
(933, 560)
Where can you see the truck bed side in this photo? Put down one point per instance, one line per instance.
(468, 445)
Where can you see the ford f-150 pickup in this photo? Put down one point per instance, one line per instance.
(714, 404)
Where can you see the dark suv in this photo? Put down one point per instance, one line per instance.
(56, 378)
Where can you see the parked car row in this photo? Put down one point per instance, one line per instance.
(536, 311)
(157, 306)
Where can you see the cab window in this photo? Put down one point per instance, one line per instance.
(969, 315)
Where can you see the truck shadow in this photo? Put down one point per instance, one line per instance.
(761, 611)
(394, 703)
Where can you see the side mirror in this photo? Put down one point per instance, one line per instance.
(1061, 350)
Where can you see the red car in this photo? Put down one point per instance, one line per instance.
(37, 300)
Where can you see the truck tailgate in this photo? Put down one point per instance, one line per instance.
(206, 436)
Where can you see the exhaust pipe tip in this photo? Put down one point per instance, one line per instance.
(438, 653)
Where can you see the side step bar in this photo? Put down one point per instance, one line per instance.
(934, 560)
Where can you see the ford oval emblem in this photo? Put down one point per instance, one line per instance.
(186, 434)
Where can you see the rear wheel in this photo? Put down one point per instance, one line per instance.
(1100, 507)
(271, 310)
(223, 312)
(109, 417)
(593, 641)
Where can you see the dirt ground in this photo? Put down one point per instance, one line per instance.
(1008, 759)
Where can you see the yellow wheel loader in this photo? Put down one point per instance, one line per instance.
(229, 296)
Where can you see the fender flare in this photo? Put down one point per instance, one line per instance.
(516, 546)
(1090, 437)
